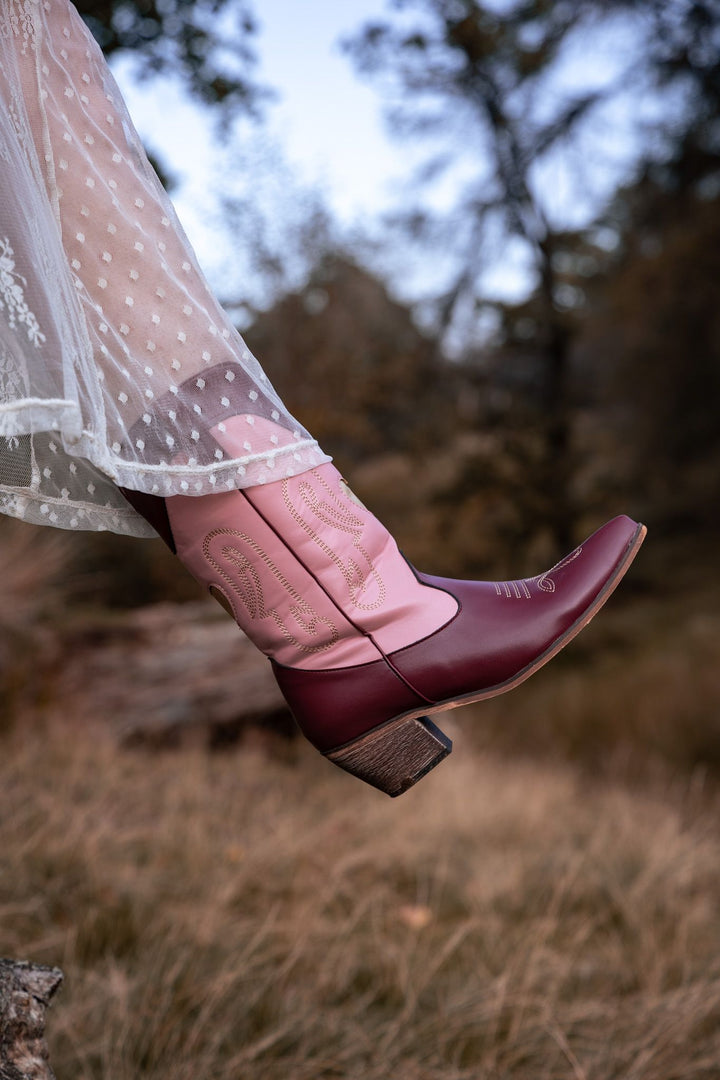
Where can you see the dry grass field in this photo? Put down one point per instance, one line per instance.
(237, 916)
(544, 906)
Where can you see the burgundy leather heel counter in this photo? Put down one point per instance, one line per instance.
(335, 706)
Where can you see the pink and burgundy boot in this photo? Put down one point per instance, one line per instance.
(365, 648)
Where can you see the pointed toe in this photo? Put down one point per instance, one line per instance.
(501, 634)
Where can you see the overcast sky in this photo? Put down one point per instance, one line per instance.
(329, 124)
(355, 164)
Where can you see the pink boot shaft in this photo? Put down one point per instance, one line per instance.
(342, 594)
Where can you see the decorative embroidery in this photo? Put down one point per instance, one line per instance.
(330, 511)
(544, 582)
(20, 21)
(223, 548)
(518, 589)
(12, 295)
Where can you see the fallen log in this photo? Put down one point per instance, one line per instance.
(166, 674)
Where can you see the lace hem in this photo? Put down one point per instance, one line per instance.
(27, 505)
(50, 476)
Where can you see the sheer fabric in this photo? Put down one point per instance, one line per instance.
(117, 365)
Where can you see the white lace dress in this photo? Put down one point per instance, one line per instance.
(117, 366)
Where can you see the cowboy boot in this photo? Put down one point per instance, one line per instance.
(364, 647)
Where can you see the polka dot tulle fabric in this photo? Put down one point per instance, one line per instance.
(117, 366)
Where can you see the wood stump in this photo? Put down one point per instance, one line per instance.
(25, 993)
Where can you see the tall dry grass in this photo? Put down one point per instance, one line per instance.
(241, 918)
(637, 693)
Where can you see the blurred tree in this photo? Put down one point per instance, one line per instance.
(654, 327)
(481, 72)
(274, 229)
(656, 332)
(351, 364)
(680, 50)
(655, 324)
(491, 77)
(206, 43)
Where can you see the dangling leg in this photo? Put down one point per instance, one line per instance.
(364, 647)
